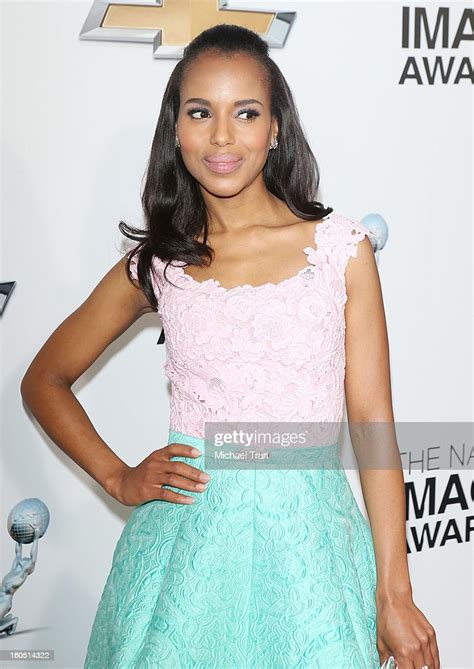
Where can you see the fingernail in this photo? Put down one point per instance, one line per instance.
(196, 451)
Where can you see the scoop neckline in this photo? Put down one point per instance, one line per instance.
(269, 284)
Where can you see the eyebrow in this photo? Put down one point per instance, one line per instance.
(202, 101)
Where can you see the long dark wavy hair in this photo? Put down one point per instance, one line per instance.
(175, 211)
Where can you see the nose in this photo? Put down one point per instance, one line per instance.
(222, 132)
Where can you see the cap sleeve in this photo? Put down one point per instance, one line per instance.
(133, 267)
(345, 237)
(357, 232)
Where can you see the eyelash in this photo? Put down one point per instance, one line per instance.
(254, 112)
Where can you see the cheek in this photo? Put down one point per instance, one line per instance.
(193, 164)
(256, 150)
(255, 139)
(190, 141)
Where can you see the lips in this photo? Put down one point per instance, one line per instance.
(222, 158)
(223, 163)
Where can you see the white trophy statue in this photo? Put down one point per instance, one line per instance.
(27, 523)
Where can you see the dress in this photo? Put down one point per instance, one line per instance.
(268, 568)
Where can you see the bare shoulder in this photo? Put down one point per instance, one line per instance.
(111, 308)
(117, 291)
(129, 288)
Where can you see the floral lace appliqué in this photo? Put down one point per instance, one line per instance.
(260, 353)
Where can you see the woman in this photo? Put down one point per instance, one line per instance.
(253, 567)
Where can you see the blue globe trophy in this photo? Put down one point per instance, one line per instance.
(379, 228)
(27, 522)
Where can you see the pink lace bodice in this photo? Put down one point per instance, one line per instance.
(273, 352)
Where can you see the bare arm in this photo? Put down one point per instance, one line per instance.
(112, 307)
(369, 399)
(402, 629)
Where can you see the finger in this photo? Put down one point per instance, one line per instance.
(190, 472)
(428, 657)
(383, 652)
(419, 658)
(405, 663)
(175, 497)
(184, 450)
(178, 481)
(434, 651)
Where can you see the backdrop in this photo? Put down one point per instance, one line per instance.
(384, 90)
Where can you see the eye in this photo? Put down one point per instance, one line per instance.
(196, 110)
(253, 112)
(202, 110)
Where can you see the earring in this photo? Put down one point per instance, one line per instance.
(274, 143)
(176, 142)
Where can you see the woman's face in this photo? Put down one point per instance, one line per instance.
(224, 123)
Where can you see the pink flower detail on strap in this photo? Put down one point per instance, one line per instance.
(315, 255)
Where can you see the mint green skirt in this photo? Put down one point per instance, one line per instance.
(268, 569)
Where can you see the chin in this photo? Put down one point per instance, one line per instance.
(222, 190)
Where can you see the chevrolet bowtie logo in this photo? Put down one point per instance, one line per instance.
(171, 24)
